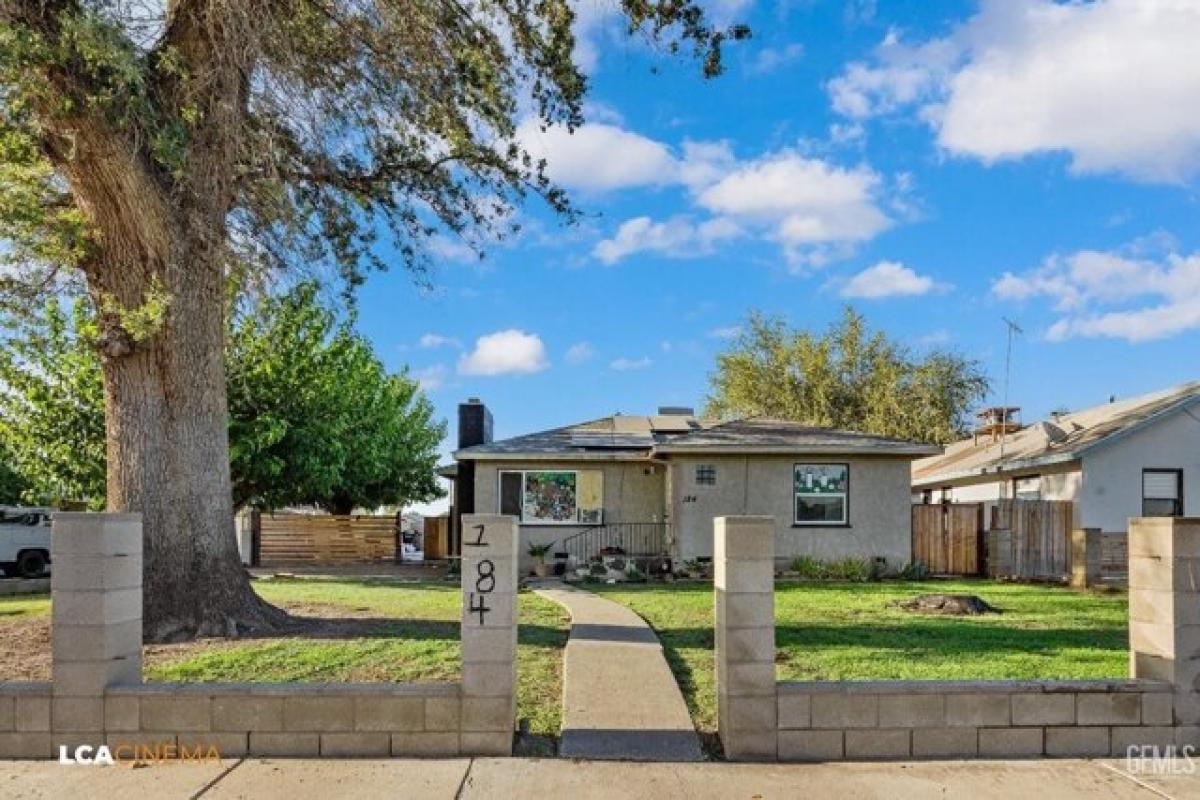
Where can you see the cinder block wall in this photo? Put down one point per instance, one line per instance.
(816, 721)
(97, 696)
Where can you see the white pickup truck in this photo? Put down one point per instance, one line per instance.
(24, 541)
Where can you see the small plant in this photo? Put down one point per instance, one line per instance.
(914, 571)
(598, 570)
(851, 569)
(634, 574)
(809, 567)
(540, 551)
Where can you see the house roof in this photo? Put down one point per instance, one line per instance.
(1059, 439)
(632, 437)
(765, 435)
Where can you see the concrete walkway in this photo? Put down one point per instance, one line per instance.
(487, 779)
(620, 700)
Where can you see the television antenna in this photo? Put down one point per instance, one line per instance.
(1012, 329)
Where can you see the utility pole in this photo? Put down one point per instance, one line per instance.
(1012, 328)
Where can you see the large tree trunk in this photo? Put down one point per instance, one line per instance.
(168, 458)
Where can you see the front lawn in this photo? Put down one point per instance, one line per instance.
(354, 630)
(849, 631)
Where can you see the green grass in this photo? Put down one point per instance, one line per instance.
(417, 640)
(414, 638)
(841, 631)
(24, 605)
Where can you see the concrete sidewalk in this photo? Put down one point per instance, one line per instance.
(489, 779)
(620, 699)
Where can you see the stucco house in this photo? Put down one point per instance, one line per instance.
(1130, 458)
(652, 484)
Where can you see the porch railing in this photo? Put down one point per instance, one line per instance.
(625, 538)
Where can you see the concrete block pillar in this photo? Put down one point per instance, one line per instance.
(1164, 612)
(489, 633)
(96, 618)
(1085, 557)
(744, 587)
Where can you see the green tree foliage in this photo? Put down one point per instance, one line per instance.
(847, 377)
(12, 484)
(315, 418)
(52, 407)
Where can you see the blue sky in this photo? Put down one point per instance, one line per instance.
(937, 165)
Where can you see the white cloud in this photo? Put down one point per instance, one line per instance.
(580, 352)
(1113, 83)
(433, 340)
(888, 279)
(807, 205)
(626, 364)
(431, 378)
(447, 249)
(599, 156)
(1118, 295)
(505, 352)
(678, 237)
(770, 59)
(729, 332)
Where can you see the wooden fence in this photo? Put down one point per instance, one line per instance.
(322, 539)
(946, 537)
(1030, 539)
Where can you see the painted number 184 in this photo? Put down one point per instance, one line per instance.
(485, 580)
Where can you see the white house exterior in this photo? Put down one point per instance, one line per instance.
(1131, 458)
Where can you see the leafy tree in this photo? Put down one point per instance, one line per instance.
(52, 407)
(155, 156)
(13, 485)
(317, 419)
(847, 377)
(314, 416)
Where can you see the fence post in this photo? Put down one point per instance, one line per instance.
(96, 618)
(1164, 613)
(489, 634)
(744, 588)
(1086, 552)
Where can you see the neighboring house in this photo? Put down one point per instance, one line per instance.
(654, 483)
(1128, 458)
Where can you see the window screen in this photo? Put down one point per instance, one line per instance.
(1162, 493)
(510, 493)
(706, 474)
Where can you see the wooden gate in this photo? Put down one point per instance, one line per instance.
(1031, 539)
(946, 537)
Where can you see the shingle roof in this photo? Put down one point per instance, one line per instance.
(766, 435)
(1063, 438)
(630, 436)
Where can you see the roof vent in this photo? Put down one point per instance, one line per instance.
(676, 411)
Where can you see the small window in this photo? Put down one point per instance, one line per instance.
(1162, 493)
(706, 475)
(510, 493)
(821, 494)
(1028, 488)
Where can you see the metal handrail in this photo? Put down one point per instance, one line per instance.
(630, 538)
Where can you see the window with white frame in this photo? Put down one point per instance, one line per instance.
(822, 494)
(1162, 493)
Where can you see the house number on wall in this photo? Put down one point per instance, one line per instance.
(485, 580)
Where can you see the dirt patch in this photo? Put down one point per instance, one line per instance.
(25, 643)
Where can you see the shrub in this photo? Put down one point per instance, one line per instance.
(809, 567)
(853, 569)
(914, 571)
